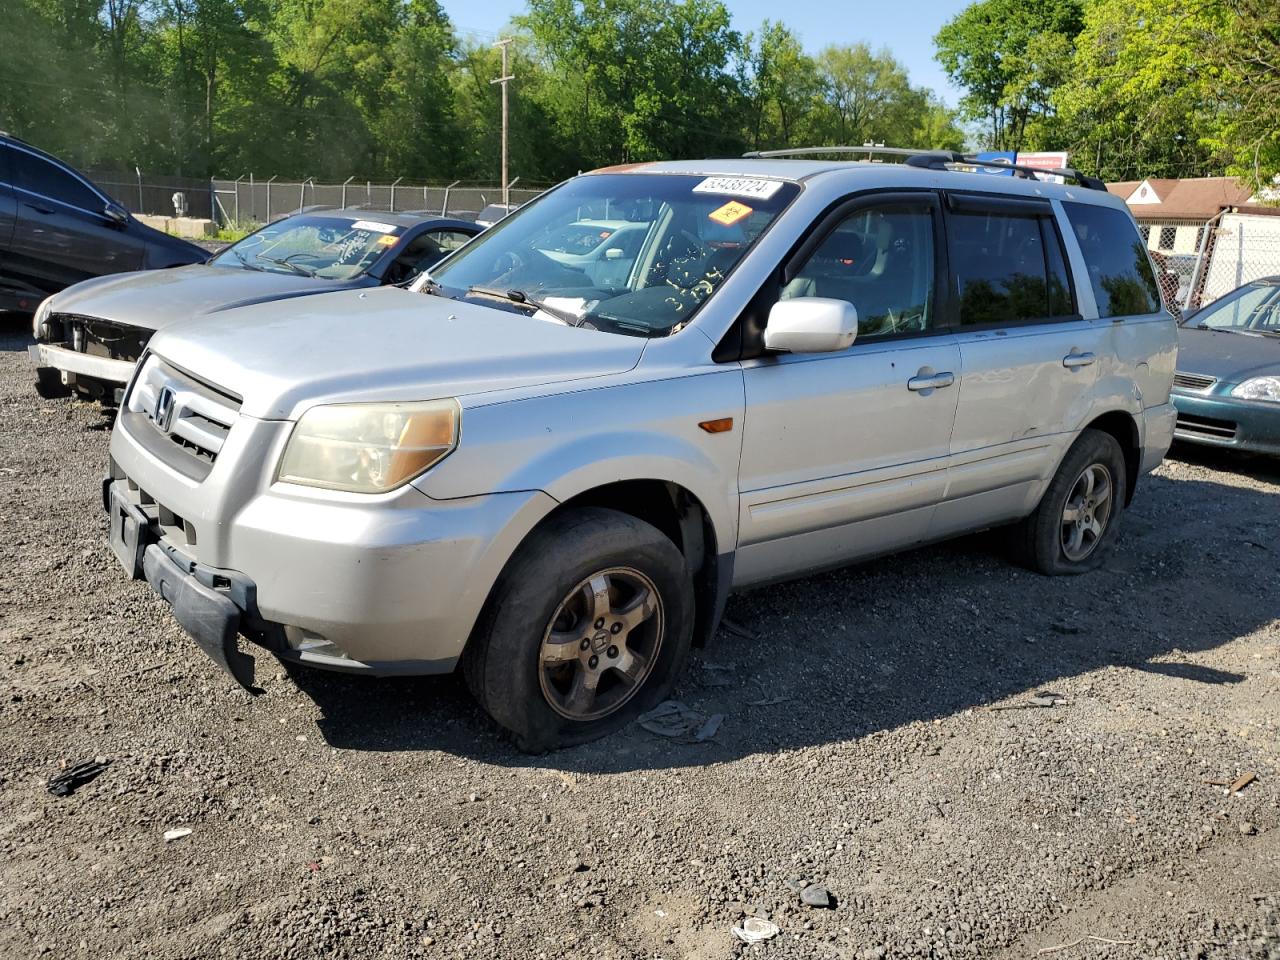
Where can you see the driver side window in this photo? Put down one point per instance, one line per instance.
(881, 260)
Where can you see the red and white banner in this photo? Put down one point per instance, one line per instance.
(1044, 161)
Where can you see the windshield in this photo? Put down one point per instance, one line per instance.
(627, 253)
(314, 245)
(1251, 309)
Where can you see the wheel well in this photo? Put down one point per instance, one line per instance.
(1123, 427)
(683, 519)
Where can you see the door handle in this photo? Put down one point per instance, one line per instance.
(931, 381)
(37, 208)
(1073, 360)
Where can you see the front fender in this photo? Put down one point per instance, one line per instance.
(569, 443)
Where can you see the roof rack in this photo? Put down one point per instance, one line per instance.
(938, 160)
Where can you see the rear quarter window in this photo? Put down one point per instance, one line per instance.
(1119, 269)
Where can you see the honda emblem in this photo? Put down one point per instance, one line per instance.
(163, 413)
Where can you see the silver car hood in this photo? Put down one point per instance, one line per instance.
(382, 344)
(152, 299)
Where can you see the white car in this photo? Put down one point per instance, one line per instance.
(555, 483)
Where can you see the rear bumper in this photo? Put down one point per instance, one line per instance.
(1157, 435)
(81, 364)
(1217, 421)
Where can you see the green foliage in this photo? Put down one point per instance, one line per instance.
(384, 88)
(1009, 56)
(1134, 88)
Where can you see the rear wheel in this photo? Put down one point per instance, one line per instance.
(589, 626)
(1078, 516)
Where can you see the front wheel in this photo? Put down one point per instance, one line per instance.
(1078, 516)
(589, 626)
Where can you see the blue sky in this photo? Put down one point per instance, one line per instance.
(906, 27)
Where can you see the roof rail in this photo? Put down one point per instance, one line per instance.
(937, 160)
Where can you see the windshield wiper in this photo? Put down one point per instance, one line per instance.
(520, 298)
(247, 265)
(284, 262)
(1243, 333)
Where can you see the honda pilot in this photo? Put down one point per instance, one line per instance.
(550, 471)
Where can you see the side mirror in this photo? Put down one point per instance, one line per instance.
(115, 213)
(613, 253)
(811, 325)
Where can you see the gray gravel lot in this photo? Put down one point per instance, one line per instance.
(346, 817)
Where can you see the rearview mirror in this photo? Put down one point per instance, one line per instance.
(116, 213)
(811, 325)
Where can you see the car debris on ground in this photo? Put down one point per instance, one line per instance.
(77, 775)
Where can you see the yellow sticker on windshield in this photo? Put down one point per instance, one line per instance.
(730, 213)
(387, 240)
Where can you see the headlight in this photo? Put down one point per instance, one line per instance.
(369, 447)
(42, 314)
(1259, 388)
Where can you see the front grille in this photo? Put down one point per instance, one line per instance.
(1193, 381)
(165, 525)
(194, 416)
(1206, 426)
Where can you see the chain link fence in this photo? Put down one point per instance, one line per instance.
(249, 200)
(1199, 261)
(143, 192)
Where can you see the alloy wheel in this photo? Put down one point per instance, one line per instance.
(1086, 512)
(601, 644)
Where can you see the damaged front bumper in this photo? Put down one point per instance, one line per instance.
(73, 365)
(213, 606)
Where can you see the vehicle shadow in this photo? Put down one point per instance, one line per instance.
(898, 641)
(1255, 465)
(15, 332)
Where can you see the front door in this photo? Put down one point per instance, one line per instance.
(845, 454)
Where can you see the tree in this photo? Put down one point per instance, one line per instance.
(781, 89)
(1009, 56)
(1140, 102)
(639, 79)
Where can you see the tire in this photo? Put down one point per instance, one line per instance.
(49, 383)
(541, 639)
(1056, 544)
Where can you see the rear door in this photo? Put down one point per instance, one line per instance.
(845, 454)
(1030, 359)
(62, 234)
(1143, 336)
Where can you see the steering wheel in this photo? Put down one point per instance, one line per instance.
(680, 265)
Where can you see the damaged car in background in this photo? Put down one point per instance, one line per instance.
(89, 336)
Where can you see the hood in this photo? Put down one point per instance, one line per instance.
(383, 344)
(153, 299)
(1230, 357)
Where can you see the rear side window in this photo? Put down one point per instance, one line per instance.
(35, 175)
(1119, 269)
(1008, 267)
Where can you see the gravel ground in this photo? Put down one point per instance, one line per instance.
(862, 748)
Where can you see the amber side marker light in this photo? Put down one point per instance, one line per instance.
(723, 425)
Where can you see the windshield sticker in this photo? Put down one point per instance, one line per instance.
(386, 240)
(730, 213)
(740, 187)
(373, 226)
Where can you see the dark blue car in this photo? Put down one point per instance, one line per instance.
(1227, 387)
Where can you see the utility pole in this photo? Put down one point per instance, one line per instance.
(504, 80)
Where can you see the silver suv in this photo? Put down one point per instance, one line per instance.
(550, 466)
